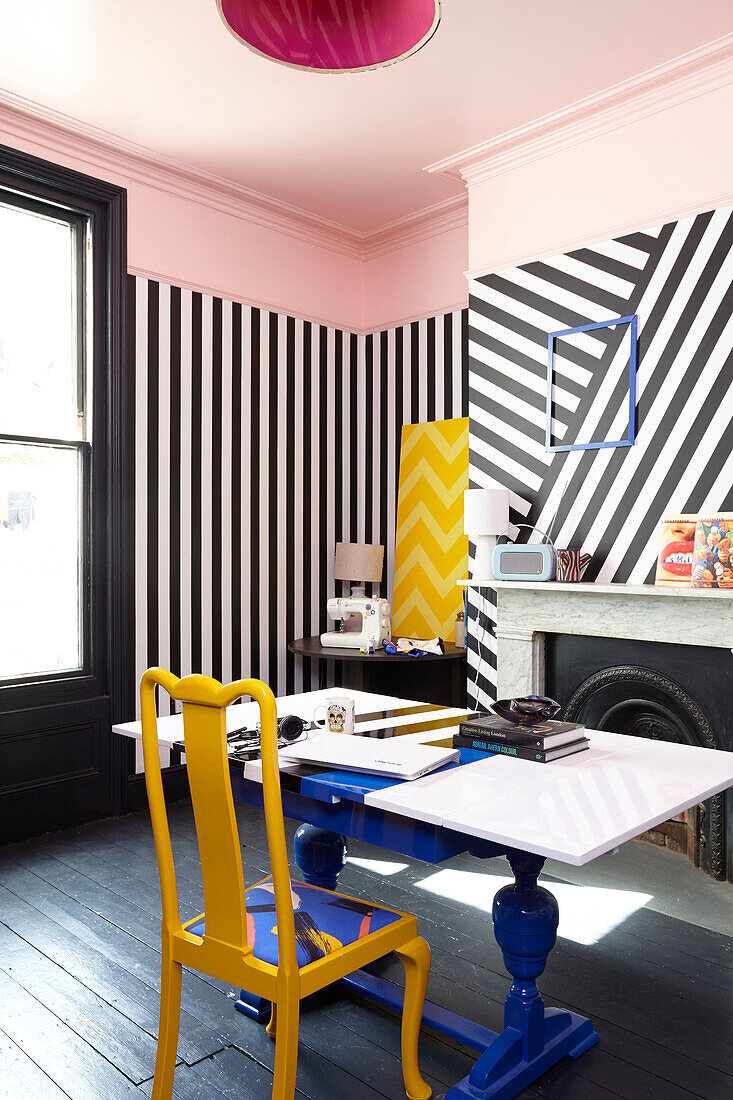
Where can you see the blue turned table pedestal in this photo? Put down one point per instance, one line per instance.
(320, 855)
(525, 925)
(534, 1037)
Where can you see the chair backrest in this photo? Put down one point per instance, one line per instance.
(204, 727)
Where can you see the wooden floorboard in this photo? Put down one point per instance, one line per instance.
(77, 937)
(230, 1073)
(75, 1066)
(79, 979)
(118, 1039)
(21, 1078)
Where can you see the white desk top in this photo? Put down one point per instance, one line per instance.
(573, 809)
(170, 727)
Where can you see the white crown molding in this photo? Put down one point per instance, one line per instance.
(610, 232)
(692, 74)
(442, 217)
(102, 151)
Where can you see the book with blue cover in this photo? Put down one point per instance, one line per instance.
(522, 751)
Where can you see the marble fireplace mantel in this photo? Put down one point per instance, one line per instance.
(527, 610)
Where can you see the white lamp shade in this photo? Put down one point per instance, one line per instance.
(485, 512)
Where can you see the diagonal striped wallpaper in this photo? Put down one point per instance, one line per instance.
(679, 280)
(261, 440)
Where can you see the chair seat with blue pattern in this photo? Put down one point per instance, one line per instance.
(325, 921)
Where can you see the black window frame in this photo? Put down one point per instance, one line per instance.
(112, 462)
(89, 629)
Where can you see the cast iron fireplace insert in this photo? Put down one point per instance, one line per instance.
(662, 691)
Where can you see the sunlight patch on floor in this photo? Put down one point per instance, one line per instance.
(587, 913)
(379, 866)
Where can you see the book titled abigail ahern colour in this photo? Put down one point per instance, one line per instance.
(520, 752)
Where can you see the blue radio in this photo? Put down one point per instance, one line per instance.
(524, 561)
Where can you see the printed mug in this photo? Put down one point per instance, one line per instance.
(570, 564)
(338, 714)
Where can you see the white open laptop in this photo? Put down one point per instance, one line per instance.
(397, 757)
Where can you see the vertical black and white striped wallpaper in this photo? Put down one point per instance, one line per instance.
(261, 440)
(679, 280)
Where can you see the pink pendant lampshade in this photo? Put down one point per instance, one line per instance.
(332, 36)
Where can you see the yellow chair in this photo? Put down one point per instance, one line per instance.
(222, 941)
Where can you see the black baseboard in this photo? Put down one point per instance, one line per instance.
(175, 787)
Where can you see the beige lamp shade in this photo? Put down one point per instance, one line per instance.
(358, 561)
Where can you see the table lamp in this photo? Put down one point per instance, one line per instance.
(361, 562)
(485, 516)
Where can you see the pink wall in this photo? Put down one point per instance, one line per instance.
(191, 244)
(188, 243)
(676, 162)
(421, 279)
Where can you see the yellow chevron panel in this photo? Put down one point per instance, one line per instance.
(416, 521)
(427, 550)
(424, 575)
(427, 482)
(431, 551)
(426, 499)
(414, 459)
(453, 445)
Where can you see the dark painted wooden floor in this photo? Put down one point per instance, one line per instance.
(79, 962)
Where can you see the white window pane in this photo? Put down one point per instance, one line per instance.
(38, 338)
(40, 493)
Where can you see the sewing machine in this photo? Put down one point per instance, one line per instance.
(375, 622)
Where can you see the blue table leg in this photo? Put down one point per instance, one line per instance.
(257, 1008)
(320, 855)
(534, 1037)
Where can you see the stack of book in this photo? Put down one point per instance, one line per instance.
(542, 743)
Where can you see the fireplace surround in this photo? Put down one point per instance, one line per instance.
(649, 661)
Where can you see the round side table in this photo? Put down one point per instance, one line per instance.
(434, 678)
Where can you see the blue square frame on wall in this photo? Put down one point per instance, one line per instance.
(628, 441)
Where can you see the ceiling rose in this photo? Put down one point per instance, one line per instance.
(332, 36)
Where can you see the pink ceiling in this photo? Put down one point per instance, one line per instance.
(351, 148)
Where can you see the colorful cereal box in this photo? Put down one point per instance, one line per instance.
(712, 564)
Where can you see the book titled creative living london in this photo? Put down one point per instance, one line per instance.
(542, 743)
(712, 559)
(546, 735)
